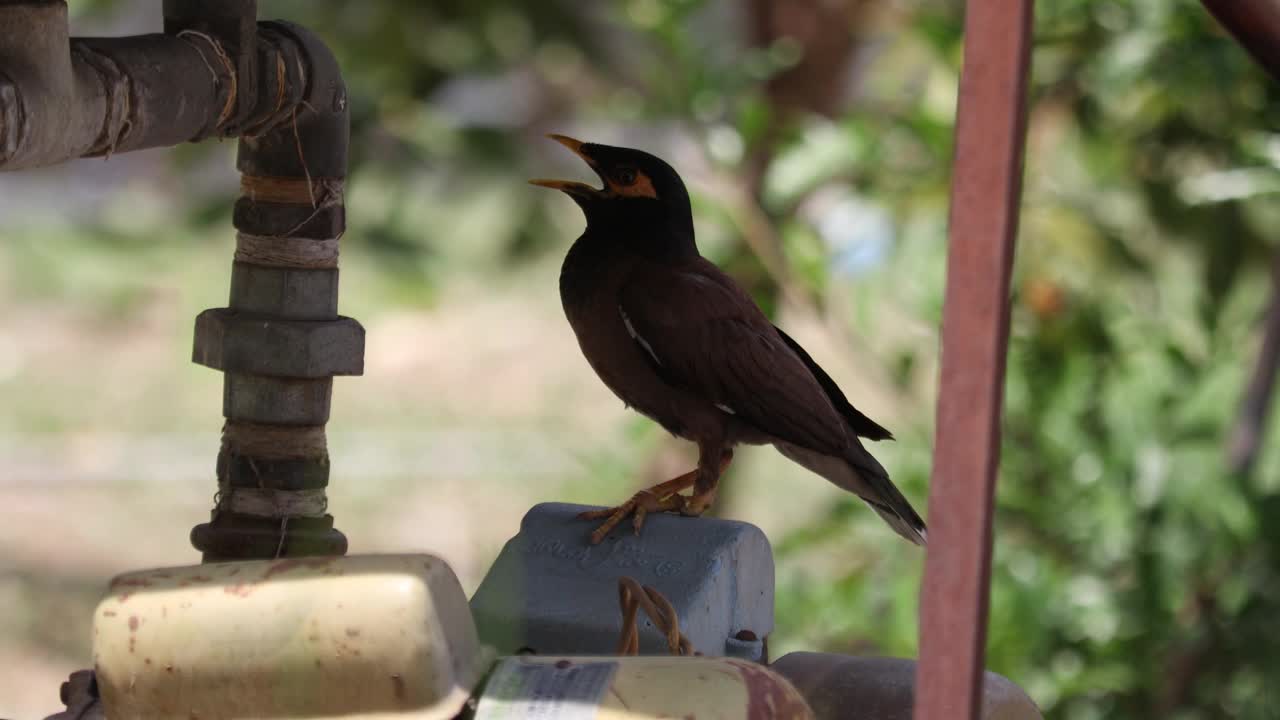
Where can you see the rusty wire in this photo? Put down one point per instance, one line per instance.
(286, 252)
(274, 442)
(632, 596)
(228, 105)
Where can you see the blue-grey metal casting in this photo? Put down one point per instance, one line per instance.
(553, 592)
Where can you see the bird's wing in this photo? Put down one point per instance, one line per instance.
(704, 334)
(861, 424)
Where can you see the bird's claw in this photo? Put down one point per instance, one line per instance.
(640, 505)
(698, 503)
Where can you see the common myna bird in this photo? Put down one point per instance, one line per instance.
(678, 340)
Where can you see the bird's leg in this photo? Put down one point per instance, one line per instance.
(706, 483)
(663, 497)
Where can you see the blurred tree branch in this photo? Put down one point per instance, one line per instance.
(1251, 420)
(824, 34)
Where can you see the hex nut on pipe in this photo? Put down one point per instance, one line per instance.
(236, 342)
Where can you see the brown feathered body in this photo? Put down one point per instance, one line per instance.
(678, 340)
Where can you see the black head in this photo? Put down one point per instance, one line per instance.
(640, 190)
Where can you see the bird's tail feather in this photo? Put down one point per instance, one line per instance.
(861, 474)
(889, 502)
(907, 524)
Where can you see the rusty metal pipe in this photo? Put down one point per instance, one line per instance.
(986, 187)
(62, 98)
(281, 340)
(217, 71)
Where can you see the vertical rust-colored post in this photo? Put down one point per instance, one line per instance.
(985, 190)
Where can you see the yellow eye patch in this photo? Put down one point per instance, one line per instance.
(642, 186)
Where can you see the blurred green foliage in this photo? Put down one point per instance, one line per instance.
(1134, 576)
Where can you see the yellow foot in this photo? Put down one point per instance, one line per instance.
(659, 499)
(663, 497)
(640, 505)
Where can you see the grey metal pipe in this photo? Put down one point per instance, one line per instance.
(217, 71)
(281, 341)
(63, 98)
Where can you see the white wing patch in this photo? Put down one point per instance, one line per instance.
(636, 336)
(726, 408)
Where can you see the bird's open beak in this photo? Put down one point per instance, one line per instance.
(569, 186)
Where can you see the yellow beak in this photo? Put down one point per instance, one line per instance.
(574, 145)
(569, 186)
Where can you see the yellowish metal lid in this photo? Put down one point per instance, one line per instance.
(370, 636)
(630, 688)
